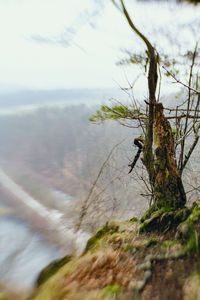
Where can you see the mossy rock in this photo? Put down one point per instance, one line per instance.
(158, 220)
(148, 213)
(106, 229)
(51, 269)
(188, 232)
(163, 219)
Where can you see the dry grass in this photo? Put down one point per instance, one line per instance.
(96, 271)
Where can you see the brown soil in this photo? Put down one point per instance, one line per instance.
(168, 279)
(102, 269)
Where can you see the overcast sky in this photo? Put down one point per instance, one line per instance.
(49, 44)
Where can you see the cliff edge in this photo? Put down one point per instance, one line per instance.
(156, 257)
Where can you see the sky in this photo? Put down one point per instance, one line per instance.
(52, 44)
(37, 51)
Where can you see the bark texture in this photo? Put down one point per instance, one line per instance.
(168, 187)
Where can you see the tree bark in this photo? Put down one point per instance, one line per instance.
(168, 187)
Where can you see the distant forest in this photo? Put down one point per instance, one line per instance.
(59, 149)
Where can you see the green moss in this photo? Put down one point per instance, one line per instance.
(185, 230)
(182, 214)
(152, 242)
(127, 248)
(164, 218)
(143, 226)
(188, 231)
(167, 244)
(193, 243)
(107, 228)
(195, 215)
(133, 219)
(113, 289)
(159, 220)
(50, 289)
(51, 269)
(148, 213)
(155, 211)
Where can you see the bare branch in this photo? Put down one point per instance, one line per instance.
(115, 4)
(183, 116)
(181, 167)
(180, 82)
(187, 157)
(84, 206)
(182, 110)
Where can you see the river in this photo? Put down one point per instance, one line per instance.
(29, 244)
(23, 253)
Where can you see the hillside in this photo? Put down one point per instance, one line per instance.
(131, 260)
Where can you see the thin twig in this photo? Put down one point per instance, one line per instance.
(183, 116)
(84, 206)
(181, 162)
(180, 82)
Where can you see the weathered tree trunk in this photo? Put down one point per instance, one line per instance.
(168, 187)
(158, 150)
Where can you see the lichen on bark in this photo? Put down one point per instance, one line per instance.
(168, 187)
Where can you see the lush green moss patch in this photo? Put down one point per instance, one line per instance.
(148, 213)
(51, 269)
(163, 219)
(113, 289)
(107, 228)
(189, 230)
(127, 248)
